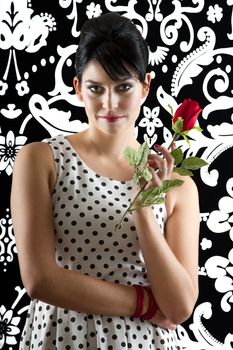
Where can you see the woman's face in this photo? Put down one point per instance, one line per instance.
(111, 106)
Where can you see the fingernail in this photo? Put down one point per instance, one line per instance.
(156, 146)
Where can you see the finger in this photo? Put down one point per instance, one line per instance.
(159, 166)
(163, 172)
(156, 162)
(173, 146)
(165, 152)
(169, 159)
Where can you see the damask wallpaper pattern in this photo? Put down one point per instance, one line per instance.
(190, 57)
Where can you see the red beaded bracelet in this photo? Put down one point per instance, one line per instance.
(140, 300)
(152, 306)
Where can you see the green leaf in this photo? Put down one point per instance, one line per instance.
(185, 137)
(168, 185)
(159, 200)
(183, 171)
(156, 200)
(177, 154)
(153, 195)
(142, 155)
(148, 196)
(197, 128)
(146, 174)
(185, 132)
(131, 156)
(193, 163)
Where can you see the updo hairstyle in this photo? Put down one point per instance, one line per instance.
(116, 43)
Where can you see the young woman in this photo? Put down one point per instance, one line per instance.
(69, 192)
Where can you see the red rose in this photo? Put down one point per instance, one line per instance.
(189, 111)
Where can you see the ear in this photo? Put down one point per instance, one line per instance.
(77, 87)
(146, 87)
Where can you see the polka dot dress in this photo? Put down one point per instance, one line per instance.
(86, 208)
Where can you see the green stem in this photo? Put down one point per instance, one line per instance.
(174, 139)
(130, 206)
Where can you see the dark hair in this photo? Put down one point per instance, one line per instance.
(116, 43)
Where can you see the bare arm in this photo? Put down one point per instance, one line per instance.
(172, 261)
(34, 232)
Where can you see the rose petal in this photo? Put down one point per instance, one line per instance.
(189, 111)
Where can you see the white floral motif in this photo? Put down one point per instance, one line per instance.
(206, 244)
(93, 10)
(171, 24)
(9, 147)
(3, 87)
(54, 120)
(20, 30)
(192, 64)
(16, 19)
(8, 328)
(22, 88)
(11, 112)
(73, 15)
(7, 241)
(219, 267)
(151, 120)
(214, 13)
(204, 340)
(9, 322)
(221, 220)
(158, 56)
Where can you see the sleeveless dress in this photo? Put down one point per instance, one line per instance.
(86, 208)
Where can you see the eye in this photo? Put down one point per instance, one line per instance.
(96, 89)
(125, 87)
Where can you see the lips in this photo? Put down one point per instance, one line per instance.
(111, 118)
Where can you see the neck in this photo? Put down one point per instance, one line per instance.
(110, 146)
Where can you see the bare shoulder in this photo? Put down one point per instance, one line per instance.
(34, 151)
(35, 159)
(188, 183)
(184, 195)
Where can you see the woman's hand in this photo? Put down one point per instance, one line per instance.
(162, 321)
(161, 167)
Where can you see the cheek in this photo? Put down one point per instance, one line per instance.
(91, 105)
(134, 103)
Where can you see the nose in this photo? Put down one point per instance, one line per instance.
(110, 101)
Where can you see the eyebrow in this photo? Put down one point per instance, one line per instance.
(97, 82)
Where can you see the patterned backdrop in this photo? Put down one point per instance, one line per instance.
(191, 55)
